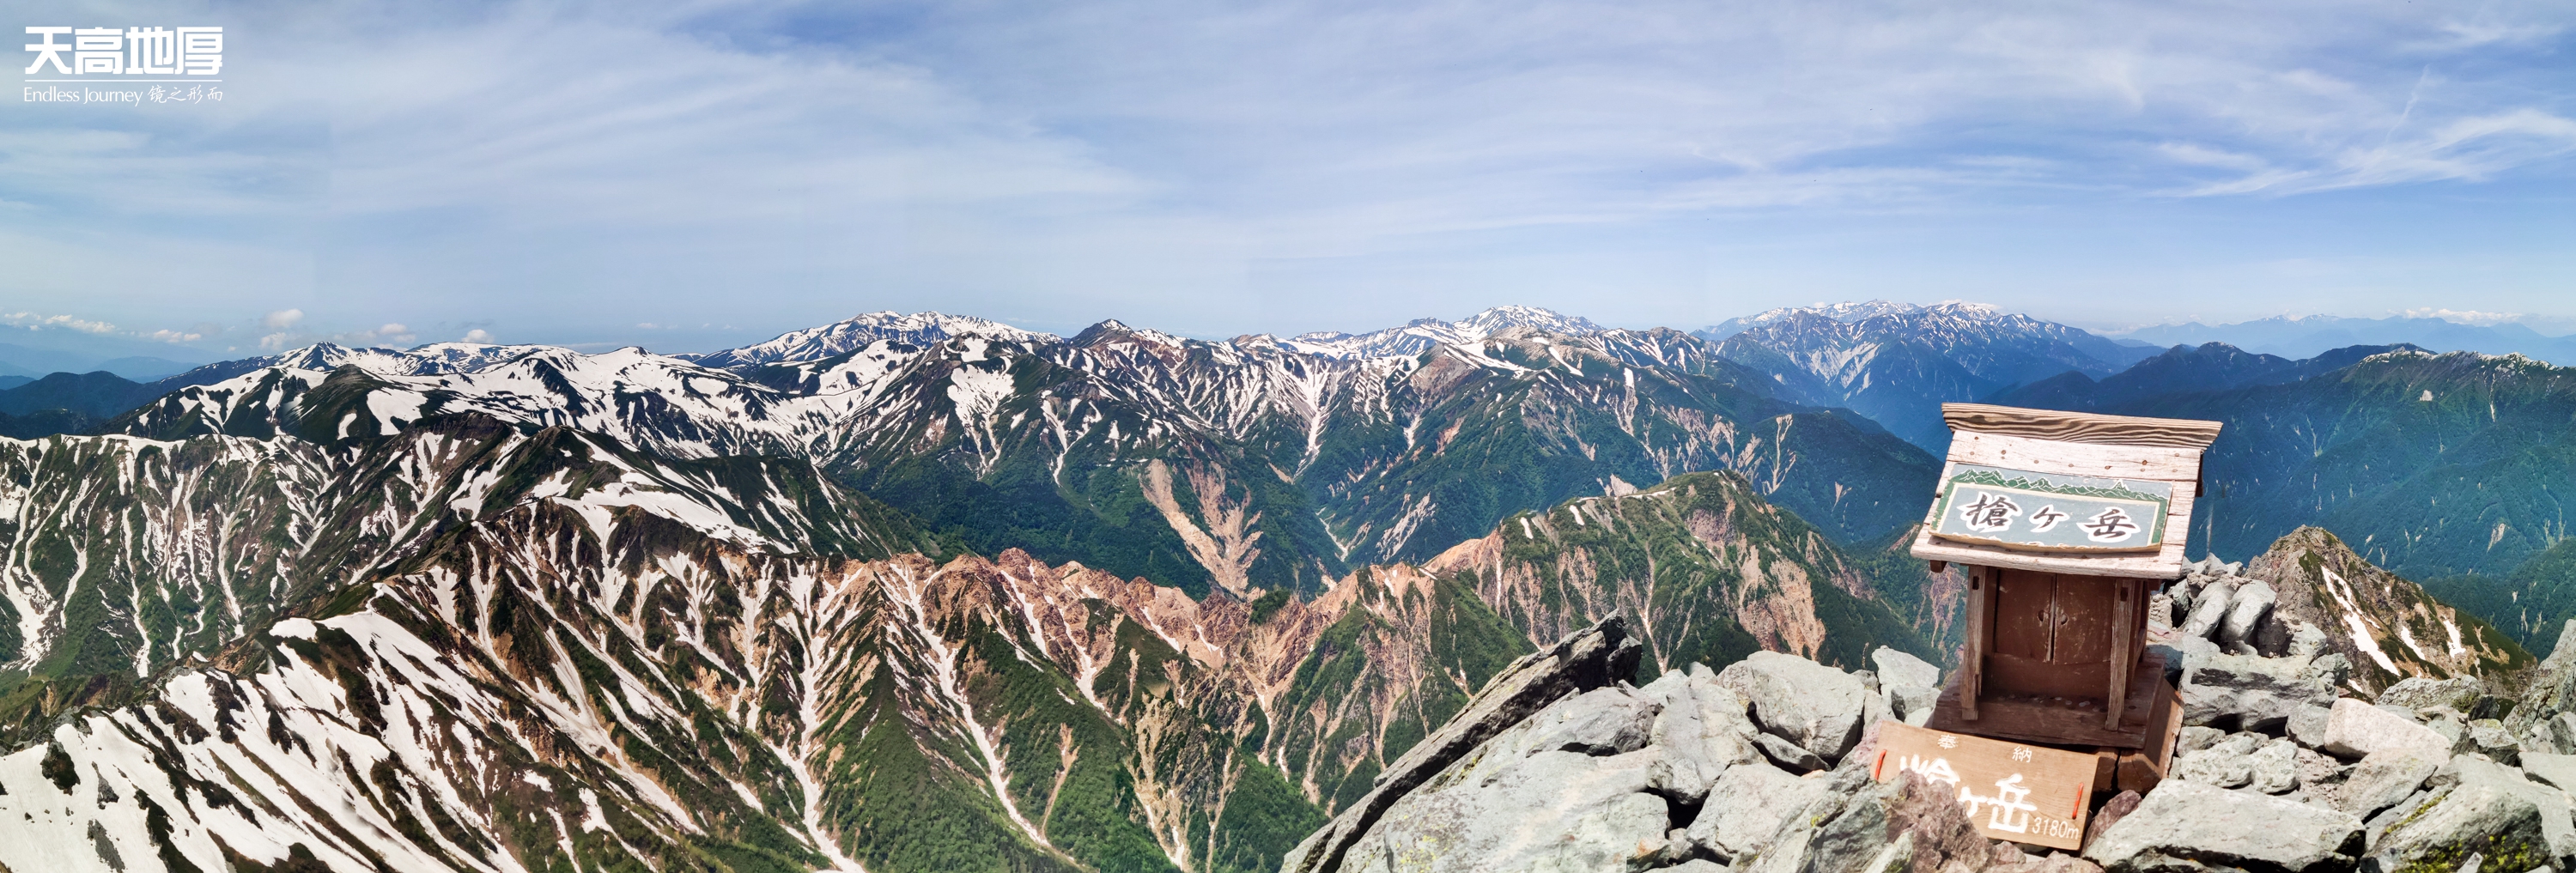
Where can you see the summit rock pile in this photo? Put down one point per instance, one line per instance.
(1757, 766)
(2286, 764)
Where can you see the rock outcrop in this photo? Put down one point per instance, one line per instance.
(1588, 659)
(2387, 627)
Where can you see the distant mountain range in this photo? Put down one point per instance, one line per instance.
(1243, 463)
(2316, 334)
(1897, 363)
(931, 593)
(31, 354)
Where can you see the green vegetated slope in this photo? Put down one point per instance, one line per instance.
(2454, 468)
(1710, 571)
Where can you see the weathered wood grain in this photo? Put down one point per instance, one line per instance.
(2141, 770)
(2068, 722)
(2123, 608)
(2016, 452)
(2079, 427)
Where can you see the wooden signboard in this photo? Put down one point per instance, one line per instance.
(2024, 510)
(2022, 793)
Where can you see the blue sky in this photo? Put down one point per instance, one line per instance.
(697, 175)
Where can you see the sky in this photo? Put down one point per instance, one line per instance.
(697, 175)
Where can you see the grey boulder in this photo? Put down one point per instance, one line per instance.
(2487, 737)
(2245, 611)
(1790, 756)
(2318, 771)
(2308, 725)
(2227, 763)
(2197, 737)
(1866, 826)
(1548, 811)
(2380, 781)
(2249, 692)
(1594, 657)
(1815, 707)
(2486, 808)
(1700, 730)
(1602, 721)
(2208, 609)
(2550, 769)
(2182, 821)
(2179, 652)
(2418, 692)
(1747, 805)
(1900, 670)
(2355, 730)
(2274, 768)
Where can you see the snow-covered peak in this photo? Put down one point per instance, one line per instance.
(1114, 330)
(1426, 333)
(1499, 318)
(816, 343)
(1847, 312)
(1862, 313)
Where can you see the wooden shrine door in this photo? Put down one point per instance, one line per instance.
(2059, 634)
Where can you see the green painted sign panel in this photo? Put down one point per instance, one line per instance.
(2051, 512)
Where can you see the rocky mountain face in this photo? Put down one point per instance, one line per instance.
(1897, 363)
(2390, 628)
(359, 633)
(2312, 601)
(1706, 571)
(1244, 465)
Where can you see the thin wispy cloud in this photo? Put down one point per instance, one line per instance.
(523, 161)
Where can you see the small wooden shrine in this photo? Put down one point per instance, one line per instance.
(2064, 523)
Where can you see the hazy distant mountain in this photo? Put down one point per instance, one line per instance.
(38, 352)
(2309, 336)
(2183, 369)
(99, 395)
(1897, 362)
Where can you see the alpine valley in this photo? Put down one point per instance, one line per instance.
(933, 593)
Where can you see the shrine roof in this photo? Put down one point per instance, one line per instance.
(2093, 482)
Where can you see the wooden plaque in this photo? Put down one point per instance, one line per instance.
(2022, 793)
(2024, 510)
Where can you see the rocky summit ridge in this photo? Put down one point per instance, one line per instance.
(1763, 766)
